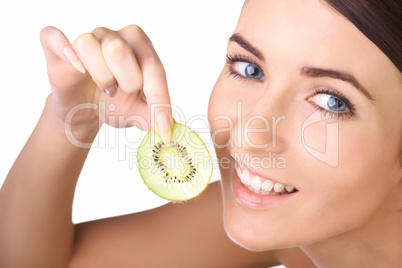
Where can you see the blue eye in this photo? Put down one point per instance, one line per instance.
(248, 70)
(332, 103)
(329, 102)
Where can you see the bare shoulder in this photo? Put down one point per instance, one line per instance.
(189, 234)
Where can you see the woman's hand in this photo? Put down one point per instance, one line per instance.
(40, 186)
(106, 76)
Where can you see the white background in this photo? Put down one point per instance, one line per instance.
(190, 38)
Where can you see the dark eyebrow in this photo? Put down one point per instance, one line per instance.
(238, 39)
(335, 74)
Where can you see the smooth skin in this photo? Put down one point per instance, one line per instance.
(356, 226)
(347, 215)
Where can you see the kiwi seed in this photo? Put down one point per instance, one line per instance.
(177, 171)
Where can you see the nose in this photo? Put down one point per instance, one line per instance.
(262, 126)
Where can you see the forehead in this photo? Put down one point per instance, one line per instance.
(287, 13)
(297, 28)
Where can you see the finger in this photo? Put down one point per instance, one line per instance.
(120, 59)
(154, 79)
(101, 32)
(58, 49)
(89, 50)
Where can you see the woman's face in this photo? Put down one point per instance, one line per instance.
(305, 101)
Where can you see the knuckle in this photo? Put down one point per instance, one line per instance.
(156, 97)
(133, 30)
(100, 30)
(84, 41)
(115, 47)
(155, 70)
(153, 64)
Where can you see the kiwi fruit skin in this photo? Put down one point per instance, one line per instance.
(178, 171)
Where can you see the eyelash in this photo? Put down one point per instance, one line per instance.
(329, 114)
(231, 60)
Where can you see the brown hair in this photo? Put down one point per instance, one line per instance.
(379, 20)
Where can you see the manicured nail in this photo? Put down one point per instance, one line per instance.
(143, 95)
(164, 127)
(70, 55)
(111, 90)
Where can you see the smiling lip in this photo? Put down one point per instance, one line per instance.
(259, 192)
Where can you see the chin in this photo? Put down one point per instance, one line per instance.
(247, 240)
(247, 233)
(255, 232)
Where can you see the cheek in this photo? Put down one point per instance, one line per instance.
(370, 155)
(344, 197)
(370, 159)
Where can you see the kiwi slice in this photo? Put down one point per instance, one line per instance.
(177, 171)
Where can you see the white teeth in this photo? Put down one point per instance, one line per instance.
(256, 183)
(259, 186)
(245, 178)
(252, 189)
(267, 185)
(289, 188)
(278, 187)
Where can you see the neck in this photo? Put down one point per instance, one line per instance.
(377, 243)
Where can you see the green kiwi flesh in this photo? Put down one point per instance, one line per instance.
(177, 171)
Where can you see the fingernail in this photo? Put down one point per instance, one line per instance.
(111, 90)
(164, 127)
(70, 55)
(143, 95)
